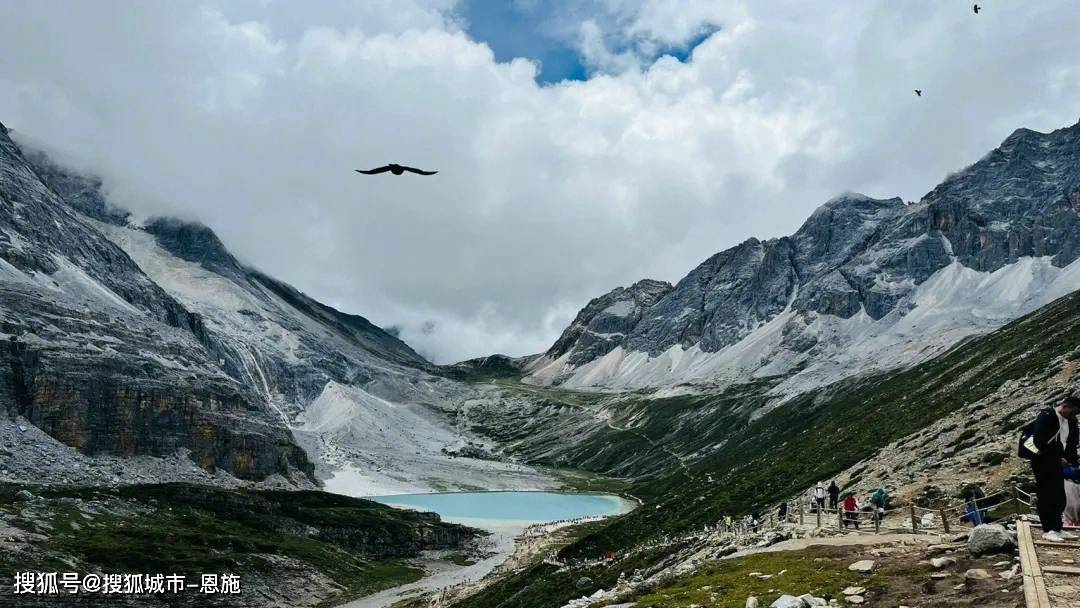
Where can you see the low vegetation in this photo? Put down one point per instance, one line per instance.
(356, 544)
(740, 465)
(727, 584)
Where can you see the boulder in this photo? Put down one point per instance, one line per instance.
(866, 565)
(752, 602)
(976, 574)
(989, 538)
(812, 601)
(853, 591)
(788, 601)
(855, 599)
(584, 583)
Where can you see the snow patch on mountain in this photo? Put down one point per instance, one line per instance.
(74, 281)
(371, 425)
(378, 447)
(954, 303)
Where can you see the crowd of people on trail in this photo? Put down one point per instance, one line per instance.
(1050, 443)
(850, 506)
(543, 528)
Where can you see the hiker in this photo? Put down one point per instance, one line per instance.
(851, 511)
(834, 495)
(819, 496)
(729, 524)
(1051, 447)
(783, 512)
(879, 499)
(975, 509)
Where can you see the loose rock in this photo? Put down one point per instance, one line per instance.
(942, 562)
(866, 565)
(989, 538)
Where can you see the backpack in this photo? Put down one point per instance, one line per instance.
(1025, 436)
(1026, 445)
(878, 499)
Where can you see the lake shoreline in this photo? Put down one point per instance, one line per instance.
(507, 540)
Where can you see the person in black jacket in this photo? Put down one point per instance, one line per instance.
(834, 495)
(1056, 436)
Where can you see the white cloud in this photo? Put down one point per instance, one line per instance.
(251, 116)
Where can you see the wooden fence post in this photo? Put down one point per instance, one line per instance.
(914, 521)
(944, 520)
(802, 515)
(839, 519)
(819, 517)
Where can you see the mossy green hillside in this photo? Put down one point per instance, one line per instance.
(192, 530)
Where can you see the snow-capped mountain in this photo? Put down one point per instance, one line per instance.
(142, 339)
(102, 358)
(863, 284)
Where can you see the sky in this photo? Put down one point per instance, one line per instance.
(581, 144)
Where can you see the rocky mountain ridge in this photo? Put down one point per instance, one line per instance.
(151, 339)
(849, 280)
(101, 358)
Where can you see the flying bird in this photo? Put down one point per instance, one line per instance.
(918, 92)
(396, 170)
(976, 8)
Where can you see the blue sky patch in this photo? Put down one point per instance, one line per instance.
(514, 29)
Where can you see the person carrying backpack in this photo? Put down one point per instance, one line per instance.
(819, 497)
(834, 495)
(880, 500)
(1051, 444)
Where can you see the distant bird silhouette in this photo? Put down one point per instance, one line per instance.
(976, 8)
(918, 92)
(396, 170)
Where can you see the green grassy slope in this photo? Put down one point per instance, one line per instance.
(192, 530)
(813, 437)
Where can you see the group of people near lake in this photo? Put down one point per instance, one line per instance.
(1050, 443)
(827, 499)
(540, 529)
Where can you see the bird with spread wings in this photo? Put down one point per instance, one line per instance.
(395, 169)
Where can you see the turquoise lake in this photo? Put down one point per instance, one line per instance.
(510, 507)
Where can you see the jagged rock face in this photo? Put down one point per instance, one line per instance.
(827, 241)
(606, 321)
(332, 381)
(195, 243)
(311, 344)
(1023, 199)
(856, 254)
(103, 359)
(81, 192)
(721, 300)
